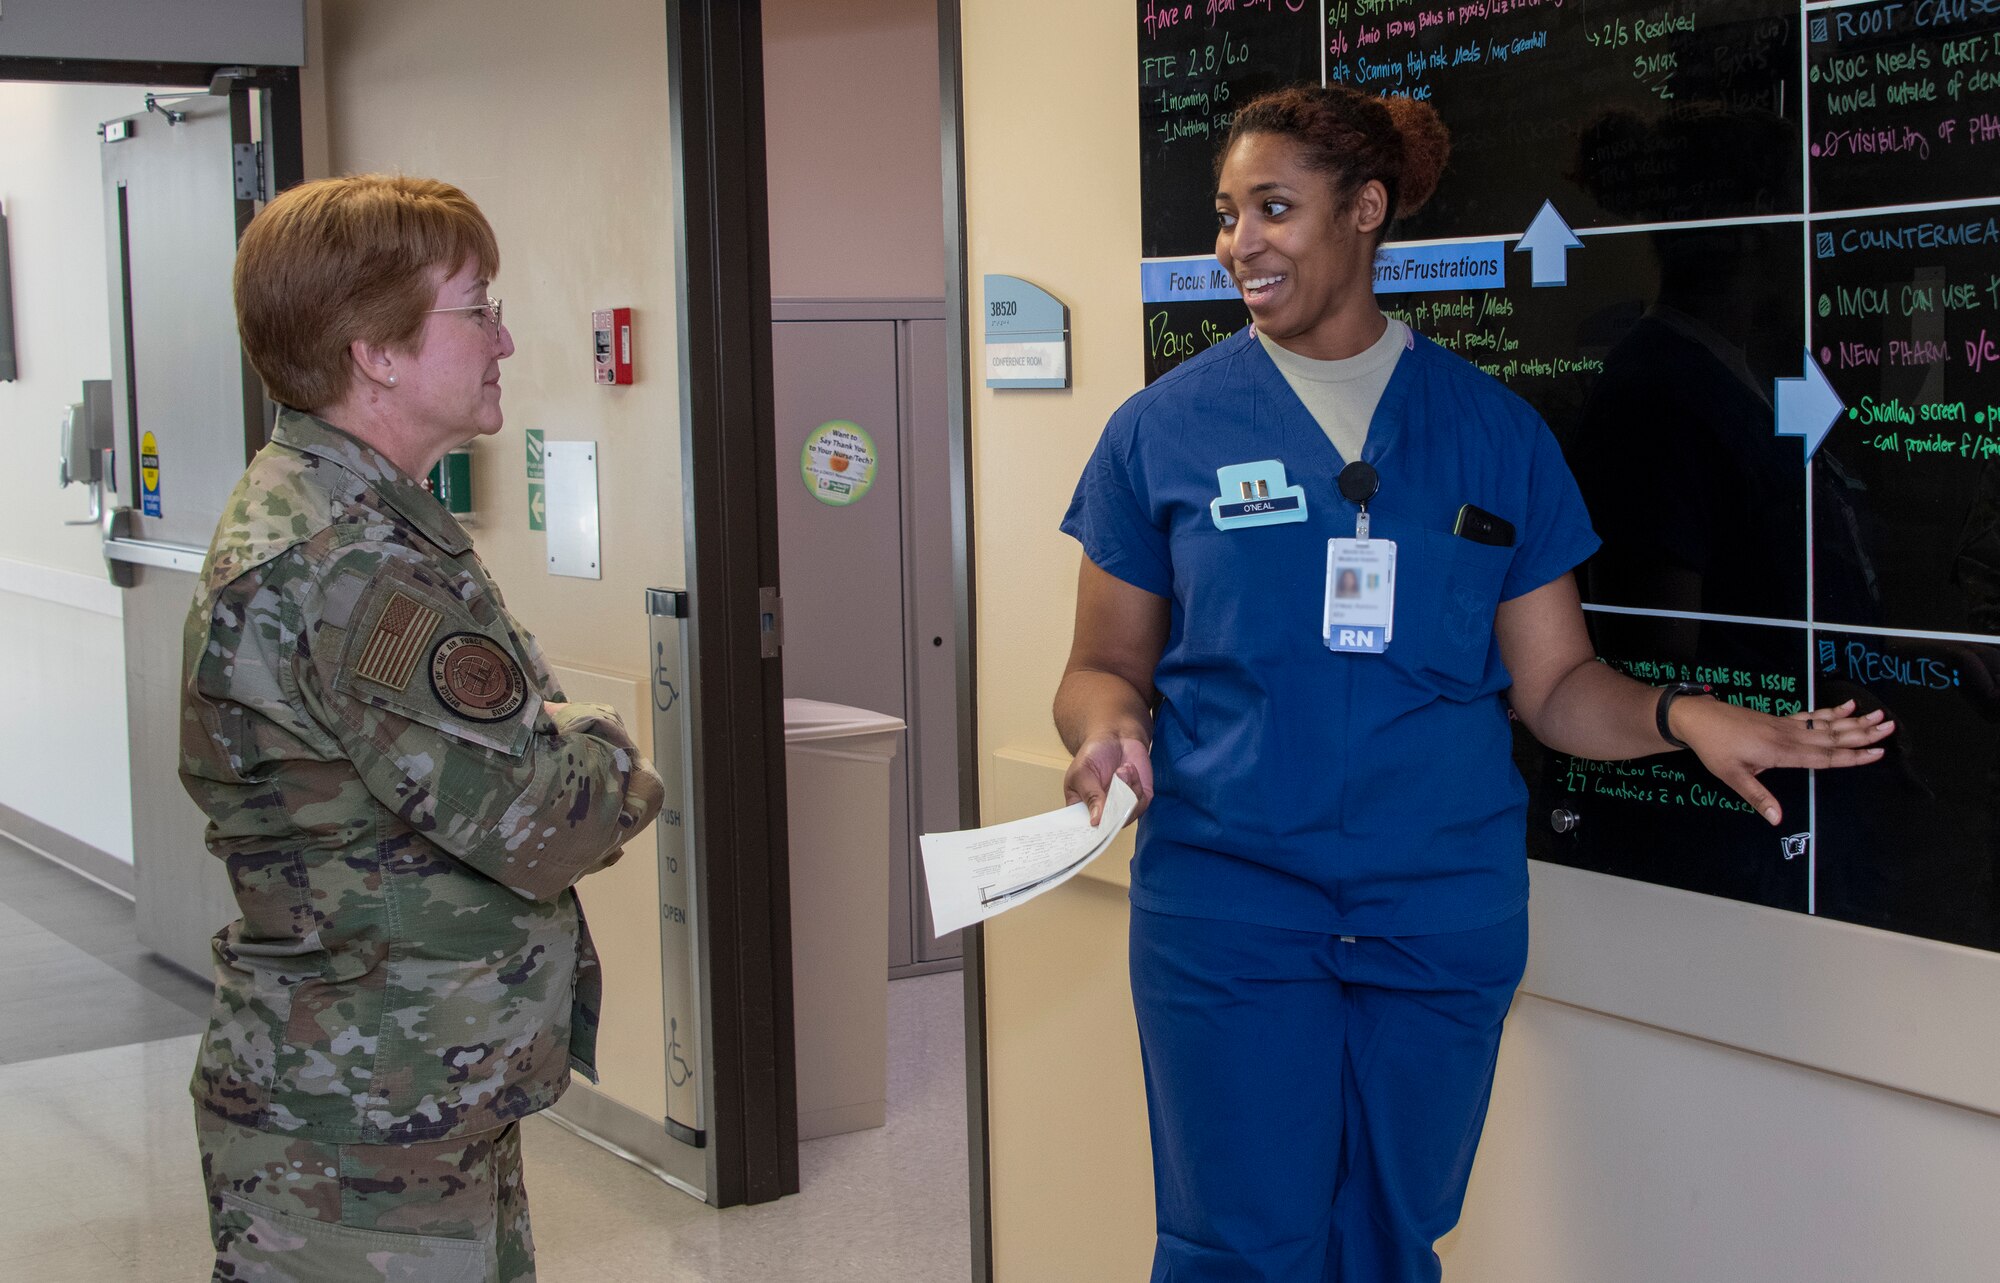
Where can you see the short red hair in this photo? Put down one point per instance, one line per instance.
(344, 259)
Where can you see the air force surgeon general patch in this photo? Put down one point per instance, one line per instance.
(476, 678)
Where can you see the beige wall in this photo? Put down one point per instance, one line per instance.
(51, 184)
(1617, 1150)
(851, 128)
(554, 118)
(61, 631)
(556, 125)
(1052, 190)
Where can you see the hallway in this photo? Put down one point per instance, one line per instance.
(101, 1178)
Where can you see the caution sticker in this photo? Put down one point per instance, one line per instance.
(149, 475)
(477, 679)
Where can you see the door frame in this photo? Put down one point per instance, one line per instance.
(715, 73)
(715, 70)
(958, 403)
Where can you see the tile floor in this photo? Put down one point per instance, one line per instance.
(98, 1176)
(73, 976)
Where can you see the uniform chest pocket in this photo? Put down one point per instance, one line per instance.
(1251, 593)
(1447, 590)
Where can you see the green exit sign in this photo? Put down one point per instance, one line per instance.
(538, 499)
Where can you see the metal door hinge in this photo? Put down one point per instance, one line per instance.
(770, 623)
(667, 603)
(249, 171)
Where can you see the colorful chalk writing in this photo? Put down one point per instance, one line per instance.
(1198, 61)
(1906, 325)
(1755, 184)
(1530, 88)
(1178, 330)
(1903, 102)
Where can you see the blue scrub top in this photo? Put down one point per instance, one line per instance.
(1298, 787)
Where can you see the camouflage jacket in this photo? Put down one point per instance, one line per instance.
(402, 819)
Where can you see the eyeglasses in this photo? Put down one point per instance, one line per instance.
(491, 307)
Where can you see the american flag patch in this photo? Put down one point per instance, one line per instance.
(399, 639)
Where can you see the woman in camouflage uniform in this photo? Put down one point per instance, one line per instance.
(390, 773)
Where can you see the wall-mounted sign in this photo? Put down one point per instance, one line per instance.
(538, 497)
(571, 511)
(838, 462)
(1027, 335)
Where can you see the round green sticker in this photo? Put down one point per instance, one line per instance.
(838, 462)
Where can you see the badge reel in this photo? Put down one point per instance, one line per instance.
(1360, 616)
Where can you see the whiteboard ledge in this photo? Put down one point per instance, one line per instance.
(1898, 1011)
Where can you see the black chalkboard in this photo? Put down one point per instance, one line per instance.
(1906, 322)
(1665, 819)
(1759, 186)
(1653, 365)
(1197, 62)
(1620, 111)
(1914, 845)
(1904, 102)
(1176, 331)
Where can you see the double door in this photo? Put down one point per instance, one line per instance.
(188, 412)
(866, 561)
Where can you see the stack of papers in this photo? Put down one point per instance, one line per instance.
(977, 873)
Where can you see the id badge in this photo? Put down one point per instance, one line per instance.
(1360, 595)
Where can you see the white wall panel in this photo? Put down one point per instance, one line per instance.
(1620, 1152)
(64, 759)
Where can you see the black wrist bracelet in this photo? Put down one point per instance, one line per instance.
(1668, 694)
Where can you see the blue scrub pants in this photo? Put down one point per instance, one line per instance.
(1315, 1101)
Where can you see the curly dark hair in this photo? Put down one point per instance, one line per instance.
(1355, 138)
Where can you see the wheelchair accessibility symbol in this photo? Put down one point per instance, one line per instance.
(678, 1069)
(665, 694)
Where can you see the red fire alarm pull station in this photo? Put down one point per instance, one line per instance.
(611, 344)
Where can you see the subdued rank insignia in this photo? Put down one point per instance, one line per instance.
(397, 643)
(476, 678)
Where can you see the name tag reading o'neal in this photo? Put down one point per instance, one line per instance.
(1255, 494)
(477, 679)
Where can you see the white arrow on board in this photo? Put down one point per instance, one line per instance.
(1548, 242)
(538, 507)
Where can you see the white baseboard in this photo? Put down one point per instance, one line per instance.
(94, 593)
(101, 867)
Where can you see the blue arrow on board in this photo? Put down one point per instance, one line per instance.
(1807, 406)
(1548, 242)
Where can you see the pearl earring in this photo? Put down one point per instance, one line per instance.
(392, 380)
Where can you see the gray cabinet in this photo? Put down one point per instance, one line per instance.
(867, 569)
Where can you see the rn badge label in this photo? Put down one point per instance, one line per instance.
(476, 678)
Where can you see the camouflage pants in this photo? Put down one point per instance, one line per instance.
(286, 1210)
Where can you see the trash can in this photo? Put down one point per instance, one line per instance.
(837, 763)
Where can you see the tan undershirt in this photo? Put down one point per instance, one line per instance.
(1342, 395)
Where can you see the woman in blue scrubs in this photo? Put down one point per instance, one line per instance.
(1329, 898)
